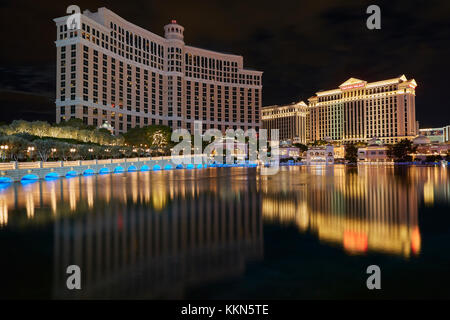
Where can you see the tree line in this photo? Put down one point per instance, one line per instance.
(73, 140)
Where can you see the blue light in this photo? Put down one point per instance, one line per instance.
(52, 176)
(71, 174)
(190, 166)
(132, 168)
(167, 167)
(156, 167)
(180, 166)
(200, 166)
(103, 171)
(29, 177)
(145, 168)
(88, 172)
(4, 185)
(5, 180)
(118, 169)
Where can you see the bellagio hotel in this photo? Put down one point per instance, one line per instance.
(358, 111)
(112, 70)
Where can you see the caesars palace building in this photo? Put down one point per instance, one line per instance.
(355, 112)
(109, 69)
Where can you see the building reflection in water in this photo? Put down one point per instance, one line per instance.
(155, 234)
(149, 235)
(361, 209)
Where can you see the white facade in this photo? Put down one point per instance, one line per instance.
(359, 110)
(320, 155)
(112, 70)
(291, 121)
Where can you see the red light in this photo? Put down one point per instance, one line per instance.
(173, 21)
(355, 241)
(358, 85)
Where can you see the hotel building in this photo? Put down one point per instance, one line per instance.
(359, 110)
(439, 135)
(109, 69)
(291, 120)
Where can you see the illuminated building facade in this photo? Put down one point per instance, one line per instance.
(374, 154)
(439, 135)
(291, 120)
(320, 155)
(112, 70)
(359, 110)
(375, 151)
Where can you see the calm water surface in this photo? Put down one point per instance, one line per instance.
(229, 233)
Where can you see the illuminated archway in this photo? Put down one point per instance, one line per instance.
(118, 169)
(88, 172)
(71, 173)
(51, 176)
(29, 178)
(103, 171)
(132, 168)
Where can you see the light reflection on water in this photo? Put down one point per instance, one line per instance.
(153, 234)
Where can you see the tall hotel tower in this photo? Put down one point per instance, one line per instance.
(291, 121)
(355, 112)
(358, 111)
(112, 70)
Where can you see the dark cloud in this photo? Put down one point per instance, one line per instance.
(302, 46)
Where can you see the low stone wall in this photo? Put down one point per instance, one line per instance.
(39, 170)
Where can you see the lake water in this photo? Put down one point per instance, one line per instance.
(230, 233)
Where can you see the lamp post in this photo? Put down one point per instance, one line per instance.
(53, 152)
(30, 151)
(72, 151)
(4, 150)
(90, 150)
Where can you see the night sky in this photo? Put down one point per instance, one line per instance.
(302, 46)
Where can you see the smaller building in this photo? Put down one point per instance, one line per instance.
(436, 135)
(425, 148)
(339, 152)
(421, 140)
(238, 150)
(320, 155)
(375, 151)
(289, 152)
